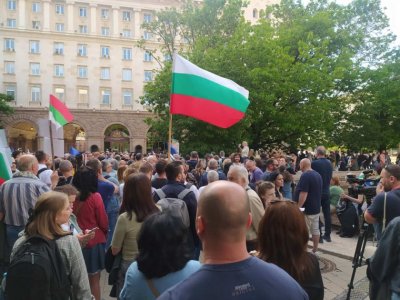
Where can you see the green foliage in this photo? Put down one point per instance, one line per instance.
(309, 70)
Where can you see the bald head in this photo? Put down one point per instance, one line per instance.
(28, 163)
(321, 151)
(239, 175)
(223, 212)
(305, 164)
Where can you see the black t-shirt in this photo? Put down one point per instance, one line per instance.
(310, 182)
(324, 167)
(392, 206)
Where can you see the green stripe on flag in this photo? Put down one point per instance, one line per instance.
(199, 87)
(4, 169)
(58, 117)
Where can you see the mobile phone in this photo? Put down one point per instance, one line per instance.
(91, 230)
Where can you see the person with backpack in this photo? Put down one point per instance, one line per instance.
(137, 205)
(176, 189)
(46, 261)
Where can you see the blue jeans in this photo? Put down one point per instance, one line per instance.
(112, 214)
(12, 235)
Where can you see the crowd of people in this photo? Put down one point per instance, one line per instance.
(237, 210)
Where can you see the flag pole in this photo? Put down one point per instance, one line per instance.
(52, 146)
(170, 137)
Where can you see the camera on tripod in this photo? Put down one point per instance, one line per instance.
(366, 185)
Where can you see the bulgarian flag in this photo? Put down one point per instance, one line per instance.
(5, 170)
(59, 113)
(205, 96)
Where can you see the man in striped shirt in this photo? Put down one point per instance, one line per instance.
(18, 195)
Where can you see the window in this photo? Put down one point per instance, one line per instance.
(127, 97)
(34, 47)
(9, 67)
(10, 90)
(146, 35)
(148, 76)
(35, 69)
(35, 93)
(104, 13)
(167, 57)
(9, 45)
(83, 95)
(59, 48)
(60, 93)
(36, 7)
(126, 15)
(147, 18)
(105, 73)
(82, 71)
(126, 33)
(148, 56)
(105, 31)
(127, 53)
(105, 96)
(35, 24)
(255, 13)
(105, 51)
(11, 4)
(82, 50)
(11, 23)
(83, 29)
(83, 12)
(59, 9)
(59, 70)
(127, 74)
(60, 27)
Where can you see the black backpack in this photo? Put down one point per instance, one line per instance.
(37, 271)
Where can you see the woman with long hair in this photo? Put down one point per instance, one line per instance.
(137, 205)
(266, 192)
(277, 179)
(283, 238)
(199, 170)
(53, 209)
(91, 215)
(165, 253)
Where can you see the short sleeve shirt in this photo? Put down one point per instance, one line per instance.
(392, 206)
(310, 182)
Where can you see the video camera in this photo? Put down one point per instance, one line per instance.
(366, 185)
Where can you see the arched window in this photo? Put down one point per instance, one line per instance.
(255, 13)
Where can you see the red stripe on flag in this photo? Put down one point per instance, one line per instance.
(205, 110)
(2, 181)
(61, 108)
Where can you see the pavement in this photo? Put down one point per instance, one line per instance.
(335, 260)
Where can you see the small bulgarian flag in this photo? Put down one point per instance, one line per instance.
(5, 170)
(59, 113)
(205, 96)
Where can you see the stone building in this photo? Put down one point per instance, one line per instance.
(83, 52)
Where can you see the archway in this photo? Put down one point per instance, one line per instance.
(74, 136)
(116, 138)
(23, 135)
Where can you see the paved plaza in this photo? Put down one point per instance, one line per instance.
(336, 267)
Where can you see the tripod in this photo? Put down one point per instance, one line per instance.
(358, 258)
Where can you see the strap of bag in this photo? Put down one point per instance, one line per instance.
(160, 193)
(152, 287)
(183, 194)
(384, 214)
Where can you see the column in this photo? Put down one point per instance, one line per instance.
(136, 25)
(46, 16)
(70, 15)
(21, 14)
(115, 20)
(93, 16)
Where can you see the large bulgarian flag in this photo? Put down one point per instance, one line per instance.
(59, 113)
(203, 95)
(5, 170)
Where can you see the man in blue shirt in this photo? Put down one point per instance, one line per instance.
(324, 167)
(308, 195)
(222, 220)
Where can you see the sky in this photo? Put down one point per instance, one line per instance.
(392, 6)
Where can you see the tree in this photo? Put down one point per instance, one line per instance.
(5, 108)
(302, 66)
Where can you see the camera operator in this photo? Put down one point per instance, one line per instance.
(390, 184)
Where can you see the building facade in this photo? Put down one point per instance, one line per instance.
(85, 53)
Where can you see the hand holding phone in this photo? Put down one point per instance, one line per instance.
(92, 230)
